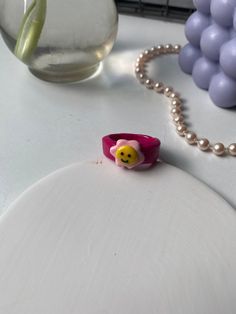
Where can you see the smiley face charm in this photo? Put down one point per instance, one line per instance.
(127, 153)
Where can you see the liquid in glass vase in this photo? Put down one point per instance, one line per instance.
(60, 41)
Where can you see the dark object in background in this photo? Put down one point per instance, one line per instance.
(173, 10)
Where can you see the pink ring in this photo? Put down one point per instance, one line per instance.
(145, 148)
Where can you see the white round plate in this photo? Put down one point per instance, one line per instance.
(96, 239)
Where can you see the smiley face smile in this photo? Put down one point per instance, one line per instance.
(125, 161)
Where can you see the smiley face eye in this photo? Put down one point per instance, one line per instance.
(122, 154)
(129, 155)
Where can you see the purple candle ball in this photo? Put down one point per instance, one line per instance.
(222, 91)
(210, 55)
(194, 27)
(222, 11)
(232, 33)
(203, 71)
(228, 58)
(187, 57)
(212, 39)
(234, 19)
(202, 6)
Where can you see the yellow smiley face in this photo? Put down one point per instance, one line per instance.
(127, 155)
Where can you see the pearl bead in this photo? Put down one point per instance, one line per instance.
(175, 103)
(159, 87)
(147, 54)
(153, 51)
(138, 70)
(191, 137)
(181, 129)
(174, 95)
(218, 149)
(167, 91)
(141, 57)
(203, 144)
(232, 149)
(178, 119)
(142, 78)
(160, 48)
(175, 111)
(168, 48)
(177, 48)
(149, 84)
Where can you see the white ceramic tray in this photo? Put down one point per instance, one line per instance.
(94, 239)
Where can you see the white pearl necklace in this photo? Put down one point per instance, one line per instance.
(191, 137)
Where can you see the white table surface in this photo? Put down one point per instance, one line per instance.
(46, 126)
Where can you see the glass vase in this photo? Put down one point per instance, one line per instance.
(60, 41)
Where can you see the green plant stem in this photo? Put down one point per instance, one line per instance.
(30, 30)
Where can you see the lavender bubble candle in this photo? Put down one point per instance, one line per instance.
(210, 55)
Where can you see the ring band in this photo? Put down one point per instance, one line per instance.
(131, 150)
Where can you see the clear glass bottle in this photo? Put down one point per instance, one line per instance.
(60, 41)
